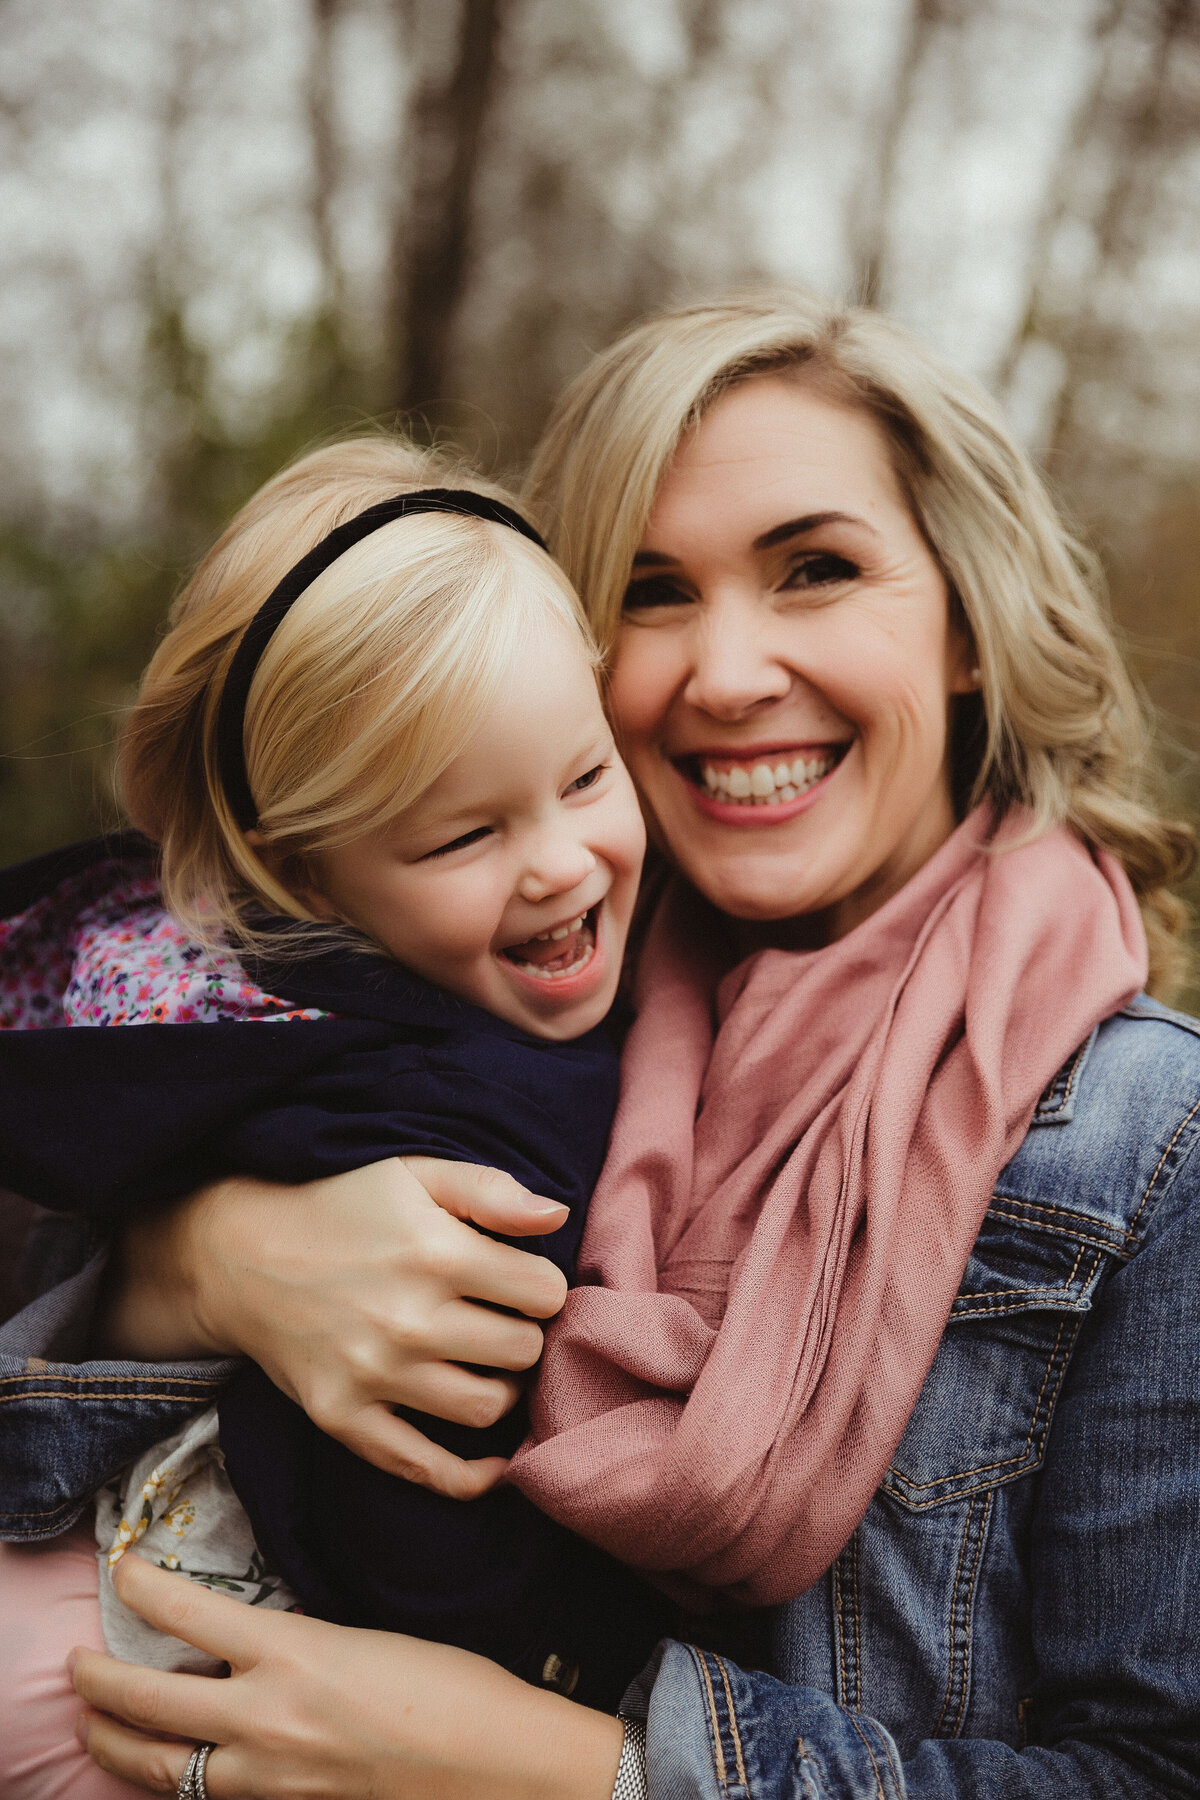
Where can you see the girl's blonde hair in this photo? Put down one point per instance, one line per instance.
(1058, 725)
(367, 691)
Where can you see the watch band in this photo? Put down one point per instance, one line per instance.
(631, 1770)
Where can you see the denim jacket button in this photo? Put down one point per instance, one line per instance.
(560, 1673)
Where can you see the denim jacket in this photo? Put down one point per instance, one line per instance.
(1019, 1611)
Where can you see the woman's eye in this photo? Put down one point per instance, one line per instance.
(822, 569)
(655, 590)
(584, 782)
(458, 843)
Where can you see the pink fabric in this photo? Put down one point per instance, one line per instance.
(803, 1154)
(103, 950)
(48, 1604)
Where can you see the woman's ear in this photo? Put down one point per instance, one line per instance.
(963, 673)
(295, 873)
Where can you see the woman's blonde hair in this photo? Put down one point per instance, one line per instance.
(367, 691)
(1058, 725)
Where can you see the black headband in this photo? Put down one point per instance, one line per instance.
(231, 714)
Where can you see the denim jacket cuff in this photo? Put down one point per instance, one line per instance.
(716, 1732)
(68, 1425)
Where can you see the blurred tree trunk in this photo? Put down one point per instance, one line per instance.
(322, 130)
(430, 251)
(1134, 131)
(871, 207)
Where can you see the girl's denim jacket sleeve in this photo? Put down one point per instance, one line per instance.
(1017, 1614)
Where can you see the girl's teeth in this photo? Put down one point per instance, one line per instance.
(560, 931)
(762, 785)
(585, 956)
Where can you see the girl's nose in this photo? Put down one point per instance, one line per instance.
(558, 862)
(734, 666)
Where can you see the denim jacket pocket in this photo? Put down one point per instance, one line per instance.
(984, 1414)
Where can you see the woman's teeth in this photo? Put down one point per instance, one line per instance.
(766, 783)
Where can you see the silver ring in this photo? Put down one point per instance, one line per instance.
(199, 1789)
(186, 1789)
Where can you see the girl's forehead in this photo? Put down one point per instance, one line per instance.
(543, 715)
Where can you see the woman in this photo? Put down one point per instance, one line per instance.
(846, 578)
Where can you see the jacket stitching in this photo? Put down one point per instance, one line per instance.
(1043, 1287)
(733, 1724)
(1073, 1229)
(812, 1787)
(839, 1624)
(719, 1768)
(1050, 1105)
(968, 1647)
(987, 1468)
(51, 1512)
(846, 1624)
(857, 1622)
(58, 1394)
(1114, 1245)
(965, 1303)
(867, 1747)
(199, 1381)
(952, 1658)
(892, 1764)
(1179, 1130)
(962, 1606)
(945, 1481)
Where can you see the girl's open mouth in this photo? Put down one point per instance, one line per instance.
(560, 953)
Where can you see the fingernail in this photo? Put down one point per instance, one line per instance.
(81, 1729)
(544, 1210)
(71, 1662)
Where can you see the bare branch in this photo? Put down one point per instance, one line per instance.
(430, 254)
(870, 211)
(320, 107)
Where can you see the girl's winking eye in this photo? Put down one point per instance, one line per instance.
(458, 843)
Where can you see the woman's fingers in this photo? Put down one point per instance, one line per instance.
(227, 1629)
(461, 1395)
(470, 1333)
(152, 1763)
(147, 1762)
(502, 1275)
(489, 1198)
(150, 1700)
(392, 1444)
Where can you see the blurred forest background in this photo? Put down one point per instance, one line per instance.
(228, 229)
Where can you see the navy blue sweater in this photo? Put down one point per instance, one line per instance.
(110, 1121)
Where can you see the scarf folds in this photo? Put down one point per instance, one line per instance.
(804, 1151)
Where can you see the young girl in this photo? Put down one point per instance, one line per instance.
(381, 809)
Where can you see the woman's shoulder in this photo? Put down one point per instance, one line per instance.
(1113, 1134)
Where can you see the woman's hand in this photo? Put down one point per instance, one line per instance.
(327, 1713)
(355, 1294)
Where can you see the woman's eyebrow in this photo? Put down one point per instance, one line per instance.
(778, 534)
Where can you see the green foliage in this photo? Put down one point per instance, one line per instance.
(80, 614)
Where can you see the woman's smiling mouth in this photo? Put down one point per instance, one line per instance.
(762, 786)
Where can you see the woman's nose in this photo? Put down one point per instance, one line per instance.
(734, 667)
(557, 862)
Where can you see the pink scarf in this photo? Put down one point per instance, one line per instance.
(801, 1161)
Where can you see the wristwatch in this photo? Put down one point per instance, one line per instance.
(631, 1770)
